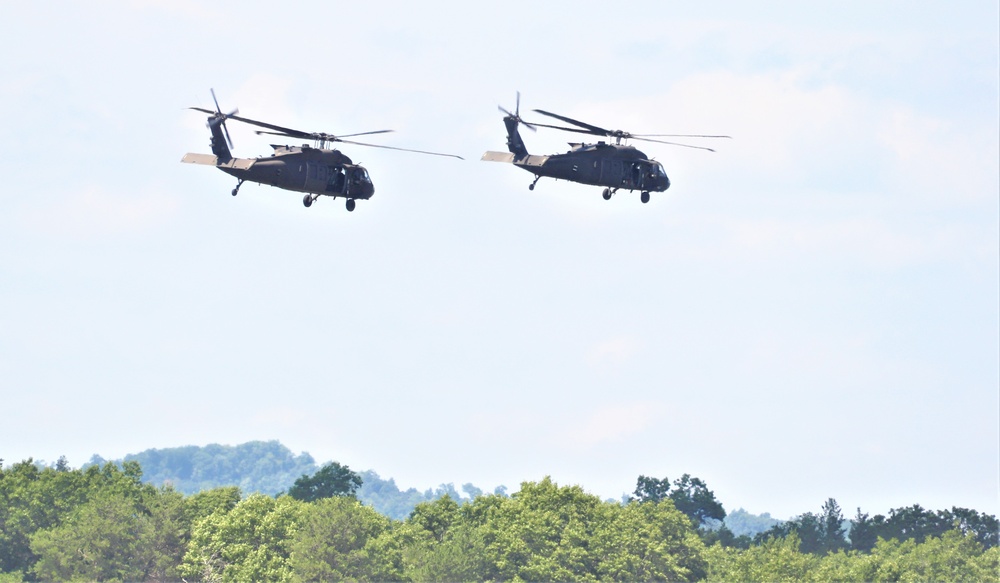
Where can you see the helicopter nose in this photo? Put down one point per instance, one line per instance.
(666, 182)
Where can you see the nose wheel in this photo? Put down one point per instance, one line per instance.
(350, 205)
(608, 193)
(308, 199)
(644, 197)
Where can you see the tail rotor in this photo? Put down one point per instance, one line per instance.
(516, 116)
(219, 118)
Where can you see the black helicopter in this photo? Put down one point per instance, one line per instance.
(314, 170)
(613, 166)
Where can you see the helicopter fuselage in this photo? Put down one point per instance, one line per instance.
(600, 164)
(303, 169)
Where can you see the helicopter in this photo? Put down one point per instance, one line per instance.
(315, 170)
(613, 166)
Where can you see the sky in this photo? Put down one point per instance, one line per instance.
(809, 312)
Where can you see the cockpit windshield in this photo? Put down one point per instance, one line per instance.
(658, 169)
(361, 175)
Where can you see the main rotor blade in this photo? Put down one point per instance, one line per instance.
(283, 134)
(677, 136)
(672, 143)
(289, 132)
(271, 126)
(577, 130)
(366, 133)
(594, 129)
(400, 149)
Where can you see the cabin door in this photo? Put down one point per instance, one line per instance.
(316, 177)
(611, 172)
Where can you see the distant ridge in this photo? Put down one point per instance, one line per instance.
(270, 468)
(267, 467)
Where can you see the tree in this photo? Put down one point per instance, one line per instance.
(692, 497)
(776, 559)
(916, 523)
(125, 530)
(865, 531)
(208, 502)
(546, 532)
(647, 542)
(458, 556)
(832, 527)
(104, 540)
(651, 489)
(248, 543)
(817, 533)
(984, 527)
(337, 539)
(332, 479)
(435, 517)
(34, 499)
(950, 557)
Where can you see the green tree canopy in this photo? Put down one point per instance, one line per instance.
(690, 495)
(338, 539)
(331, 480)
(247, 543)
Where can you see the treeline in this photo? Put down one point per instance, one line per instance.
(103, 523)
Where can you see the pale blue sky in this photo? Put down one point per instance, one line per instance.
(810, 312)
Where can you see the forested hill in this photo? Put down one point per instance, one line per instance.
(268, 467)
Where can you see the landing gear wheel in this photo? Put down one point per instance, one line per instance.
(531, 186)
(237, 189)
(307, 200)
(350, 205)
(644, 197)
(606, 194)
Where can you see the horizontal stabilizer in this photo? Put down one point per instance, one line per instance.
(206, 159)
(498, 157)
(532, 160)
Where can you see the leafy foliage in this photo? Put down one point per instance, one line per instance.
(817, 533)
(689, 495)
(950, 557)
(248, 543)
(549, 533)
(386, 497)
(914, 522)
(331, 480)
(339, 539)
(103, 523)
